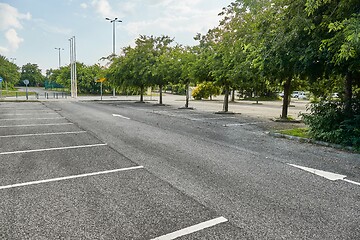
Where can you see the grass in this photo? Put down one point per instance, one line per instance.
(13, 93)
(297, 132)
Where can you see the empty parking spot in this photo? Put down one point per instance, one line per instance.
(53, 149)
(19, 119)
(41, 134)
(34, 125)
(192, 229)
(68, 177)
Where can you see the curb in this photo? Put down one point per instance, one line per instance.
(308, 140)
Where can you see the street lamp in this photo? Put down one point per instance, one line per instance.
(113, 21)
(73, 73)
(59, 56)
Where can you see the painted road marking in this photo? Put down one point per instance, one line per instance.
(121, 116)
(68, 177)
(241, 124)
(41, 134)
(328, 175)
(34, 125)
(23, 114)
(53, 149)
(353, 182)
(192, 229)
(213, 118)
(18, 119)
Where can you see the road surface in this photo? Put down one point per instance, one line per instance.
(125, 170)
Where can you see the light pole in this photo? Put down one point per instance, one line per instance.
(113, 21)
(59, 49)
(73, 67)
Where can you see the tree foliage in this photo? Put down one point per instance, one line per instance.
(9, 71)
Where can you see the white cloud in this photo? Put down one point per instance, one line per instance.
(103, 8)
(176, 19)
(4, 50)
(84, 5)
(13, 39)
(10, 17)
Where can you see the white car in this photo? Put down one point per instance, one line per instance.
(299, 95)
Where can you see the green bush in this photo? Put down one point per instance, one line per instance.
(205, 90)
(329, 122)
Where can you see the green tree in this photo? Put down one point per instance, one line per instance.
(336, 27)
(32, 73)
(9, 72)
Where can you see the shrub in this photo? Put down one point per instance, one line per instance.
(329, 122)
(205, 90)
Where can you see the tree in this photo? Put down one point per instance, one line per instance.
(336, 24)
(9, 71)
(32, 73)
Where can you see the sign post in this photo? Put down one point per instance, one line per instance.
(1, 79)
(26, 82)
(101, 80)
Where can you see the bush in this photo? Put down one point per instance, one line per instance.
(329, 122)
(205, 90)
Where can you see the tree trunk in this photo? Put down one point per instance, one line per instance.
(285, 107)
(226, 100)
(233, 95)
(160, 99)
(187, 95)
(142, 94)
(348, 94)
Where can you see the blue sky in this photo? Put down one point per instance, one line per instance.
(30, 30)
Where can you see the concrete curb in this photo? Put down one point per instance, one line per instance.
(308, 140)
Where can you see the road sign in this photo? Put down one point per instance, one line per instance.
(26, 82)
(101, 80)
(1, 79)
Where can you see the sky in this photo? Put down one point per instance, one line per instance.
(30, 30)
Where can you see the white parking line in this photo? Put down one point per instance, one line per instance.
(192, 229)
(241, 124)
(18, 119)
(120, 116)
(23, 114)
(68, 177)
(34, 125)
(41, 134)
(213, 118)
(53, 149)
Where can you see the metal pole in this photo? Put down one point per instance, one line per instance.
(113, 21)
(114, 36)
(71, 68)
(59, 49)
(75, 74)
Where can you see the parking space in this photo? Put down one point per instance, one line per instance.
(57, 181)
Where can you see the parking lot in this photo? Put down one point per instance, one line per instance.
(58, 181)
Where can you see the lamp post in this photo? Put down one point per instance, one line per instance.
(59, 49)
(113, 21)
(73, 67)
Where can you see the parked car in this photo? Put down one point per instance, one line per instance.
(299, 95)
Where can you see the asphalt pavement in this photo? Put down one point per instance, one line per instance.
(126, 170)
